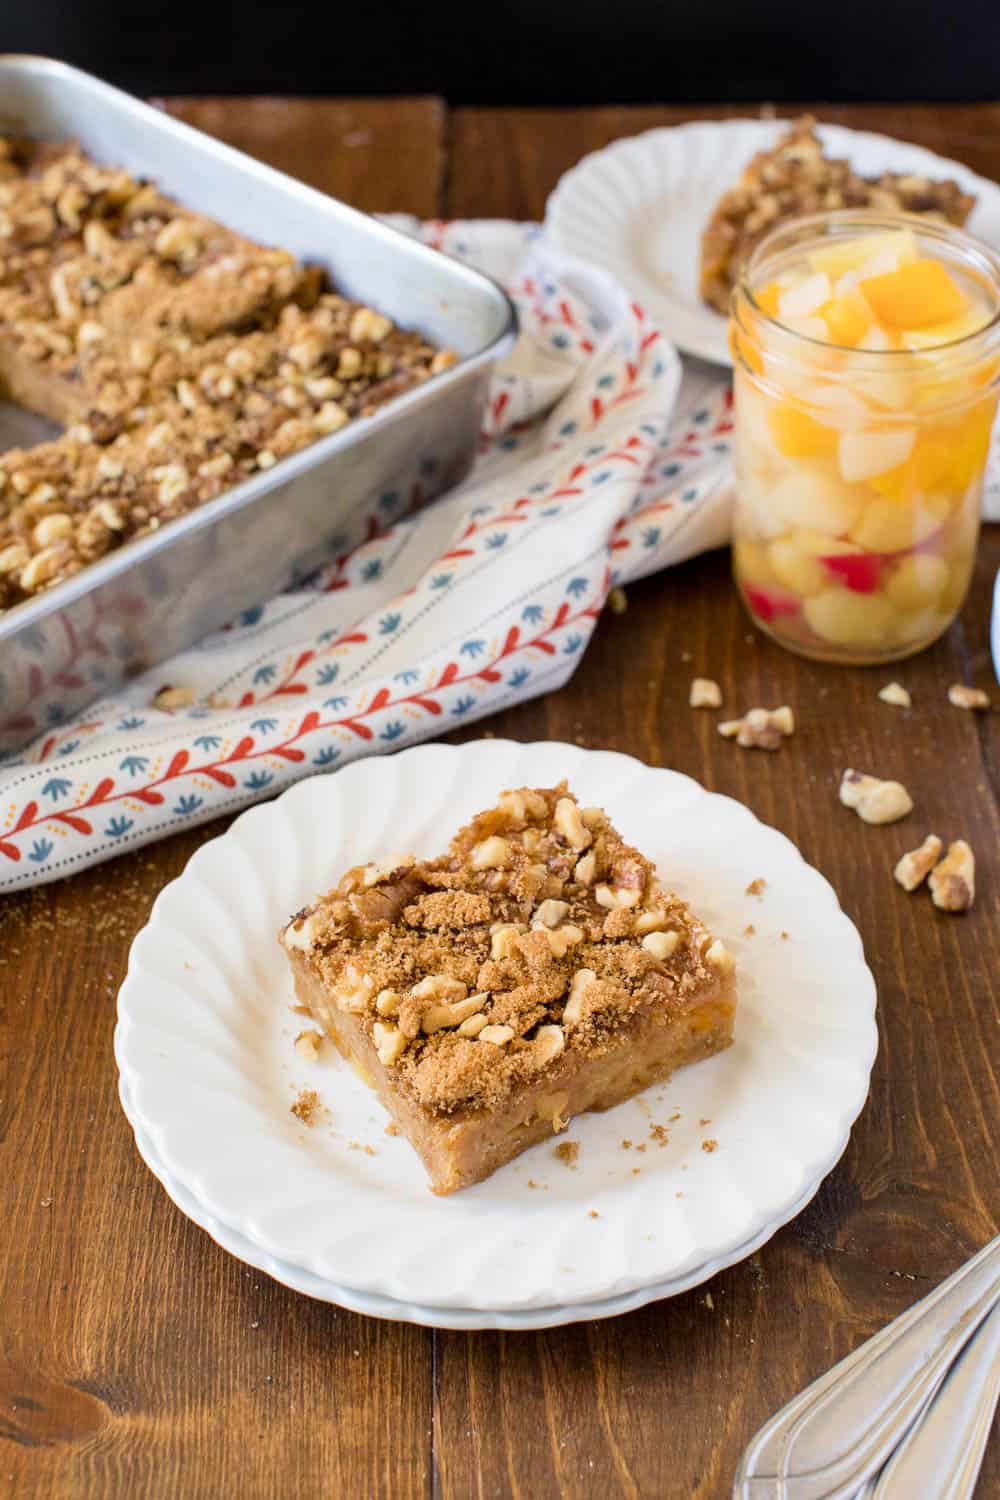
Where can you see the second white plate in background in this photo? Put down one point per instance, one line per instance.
(638, 209)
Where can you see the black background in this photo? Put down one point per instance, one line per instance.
(549, 52)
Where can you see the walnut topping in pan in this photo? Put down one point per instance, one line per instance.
(181, 358)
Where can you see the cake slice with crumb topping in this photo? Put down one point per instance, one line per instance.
(534, 971)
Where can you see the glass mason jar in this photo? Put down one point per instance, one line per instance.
(860, 452)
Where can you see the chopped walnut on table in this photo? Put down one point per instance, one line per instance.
(896, 694)
(760, 728)
(915, 866)
(873, 800)
(953, 881)
(705, 693)
(960, 696)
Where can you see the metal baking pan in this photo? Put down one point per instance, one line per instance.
(159, 594)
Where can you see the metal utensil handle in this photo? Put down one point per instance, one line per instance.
(839, 1431)
(942, 1456)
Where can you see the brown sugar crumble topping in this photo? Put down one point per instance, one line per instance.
(539, 931)
(180, 357)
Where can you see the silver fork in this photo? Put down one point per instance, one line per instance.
(838, 1435)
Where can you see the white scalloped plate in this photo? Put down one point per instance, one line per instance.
(204, 1047)
(638, 209)
(373, 1306)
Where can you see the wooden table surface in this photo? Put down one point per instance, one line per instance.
(139, 1360)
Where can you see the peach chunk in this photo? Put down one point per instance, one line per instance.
(866, 454)
(847, 318)
(915, 295)
(898, 525)
(796, 434)
(847, 619)
(917, 581)
(814, 498)
(937, 335)
(751, 562)
(767, 298)
(794, 568)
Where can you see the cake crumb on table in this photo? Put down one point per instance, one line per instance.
(896, 694)
(660, 1134)
(392, 1128)
(757, 886)
(710, 1145)
(592, 1213)
(749, 930)
(567, 1152)
(306, 1105)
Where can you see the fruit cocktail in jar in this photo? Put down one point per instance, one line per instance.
(867, 368)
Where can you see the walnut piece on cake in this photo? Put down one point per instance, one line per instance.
(796, 177)
(535, 970)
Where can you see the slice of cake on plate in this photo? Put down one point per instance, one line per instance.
(535, 970)
(796, 177)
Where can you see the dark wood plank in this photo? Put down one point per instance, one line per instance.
(381, 155)
(137, 1360)
(671, 1394)
(663, 1401)
(502, 157)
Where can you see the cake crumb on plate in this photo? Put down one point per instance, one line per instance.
(306, 1105)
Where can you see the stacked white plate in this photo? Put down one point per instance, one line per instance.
(638, 208)
(341, 1211)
